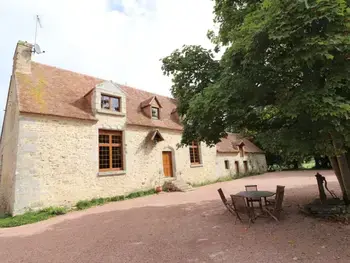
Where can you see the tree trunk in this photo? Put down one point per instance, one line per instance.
(345, 174)
(336, 169)
(343, 161)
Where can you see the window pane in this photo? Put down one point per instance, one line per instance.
(192, 156)
(105, 102)
(155, 112)
(103, 138)
(116, 157)
(104, 157)
(196, 155)
(115, 104)
(116, 139)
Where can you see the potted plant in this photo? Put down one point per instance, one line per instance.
(159, 187)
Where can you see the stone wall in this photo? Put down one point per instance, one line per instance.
(8, 151)
(59, 161)
(144, 158)
(256, 163)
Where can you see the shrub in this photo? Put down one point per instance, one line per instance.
(54, 210)
(117, 198)
(83, 204)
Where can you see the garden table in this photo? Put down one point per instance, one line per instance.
(256, 195)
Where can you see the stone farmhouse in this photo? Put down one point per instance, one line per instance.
(68, 137)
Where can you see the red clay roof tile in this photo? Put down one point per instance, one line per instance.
(58, 92)
(230, 143)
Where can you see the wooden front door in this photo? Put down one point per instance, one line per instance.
(167, 164)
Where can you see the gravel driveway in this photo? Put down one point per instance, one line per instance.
(184, 227)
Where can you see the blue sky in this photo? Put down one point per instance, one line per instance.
(117, 5)
(121, 40)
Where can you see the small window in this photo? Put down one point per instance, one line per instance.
(194, 153)
(227, 164)
(110, 150)
(155, 113)
(110, 103)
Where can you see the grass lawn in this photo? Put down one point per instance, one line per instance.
(46, 213)
(32, 216)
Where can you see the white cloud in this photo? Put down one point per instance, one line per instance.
(93, 38)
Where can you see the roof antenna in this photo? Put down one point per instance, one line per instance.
(36, 47)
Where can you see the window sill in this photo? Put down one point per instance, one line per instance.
(111, 173)
(110, 112)
(196, 165)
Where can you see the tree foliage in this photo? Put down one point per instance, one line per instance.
(283, 77)
(284, 73)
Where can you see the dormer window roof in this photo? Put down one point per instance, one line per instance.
(152, 101)
(151, 108)
(155, 136)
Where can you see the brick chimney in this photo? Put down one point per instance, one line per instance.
(23, 57)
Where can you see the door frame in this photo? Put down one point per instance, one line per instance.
(173, 162)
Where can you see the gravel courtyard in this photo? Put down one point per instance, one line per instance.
(185, 227)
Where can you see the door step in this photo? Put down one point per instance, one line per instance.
(178, 185)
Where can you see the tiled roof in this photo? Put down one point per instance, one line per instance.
(58, 92)
(231, 142)
(135, 115)
(52, 91)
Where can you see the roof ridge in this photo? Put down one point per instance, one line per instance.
(68, 70)
(151, 94)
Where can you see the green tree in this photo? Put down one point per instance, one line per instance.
(283, 78)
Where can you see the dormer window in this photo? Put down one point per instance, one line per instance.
(151, 108)
(241, 150)
(155, 113)
(110, 103)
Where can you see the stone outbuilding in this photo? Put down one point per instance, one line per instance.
(237, 155)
